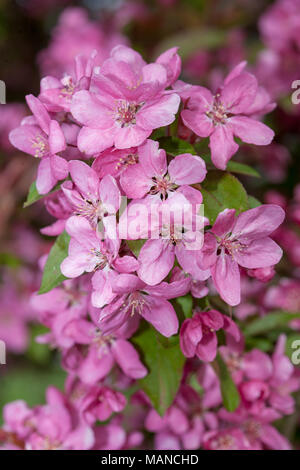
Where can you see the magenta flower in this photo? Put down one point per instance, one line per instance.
(102, 353)
(57, 95)
(227, 114)
(43, 138)
(135, 299)
(240, 241)
(89, 252)
(198, 334)
(152, 175)
(126, 102)
(90, 197)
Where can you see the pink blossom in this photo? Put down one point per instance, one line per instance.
(228, 113)
(241, 241)
(124, 112)
(89, 252)
(42, 138)
(152, 175)
(90, 197)
(198, 334)
(135, 299)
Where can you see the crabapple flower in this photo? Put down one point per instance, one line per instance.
(135, 299)
(198, 334)
(123, 112)
(104, 351)
(228, 113)
(240, 241)
(57, 95)
(88, 252)
(90, 197)
(152, 175)
(43, 138)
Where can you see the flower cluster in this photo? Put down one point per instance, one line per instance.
(156, 241)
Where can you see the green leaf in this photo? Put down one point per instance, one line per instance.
(52, 275)
(242, 169)
(253, 202)
(136, 246)
(232, 166)
(192, 40)
(186, 303)
(164, 361)
(230, 394)
(221, 190)
(174, 146)
(269, 322)
(34, 196)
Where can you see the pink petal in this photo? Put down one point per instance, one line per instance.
(187, 169)
(110, 194)
(160, 113)
(250, 130)
(90, 111)
(259, 254)
(45, 178)
(57, 141)
(161, 315)
(93, 141)
(222, 146)
(239, 93)
(258, 222)
(224, 222)
(152, 159)
(131, 136)
(198, 122)
(156, 260)
(85, 179)
(39, 111)
(128, 359)
(135, 183)
(226, 278)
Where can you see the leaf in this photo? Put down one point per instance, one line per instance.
(192, 40)
(230, 394)
(253, 202)
(164, 361)
(221, 190)
(186, 303)
(174, 146)
(269, 322)
(232, 166)
(136, 246)
(241, 168)
(52, 275)
(34, 196)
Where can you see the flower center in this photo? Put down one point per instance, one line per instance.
(231, 246)
(125, 113)
(172, 233)
(162, 185)
(93, 211)
(124, 162)
(100, 258)
(40, 145)
(135, 303)
(218, 112)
